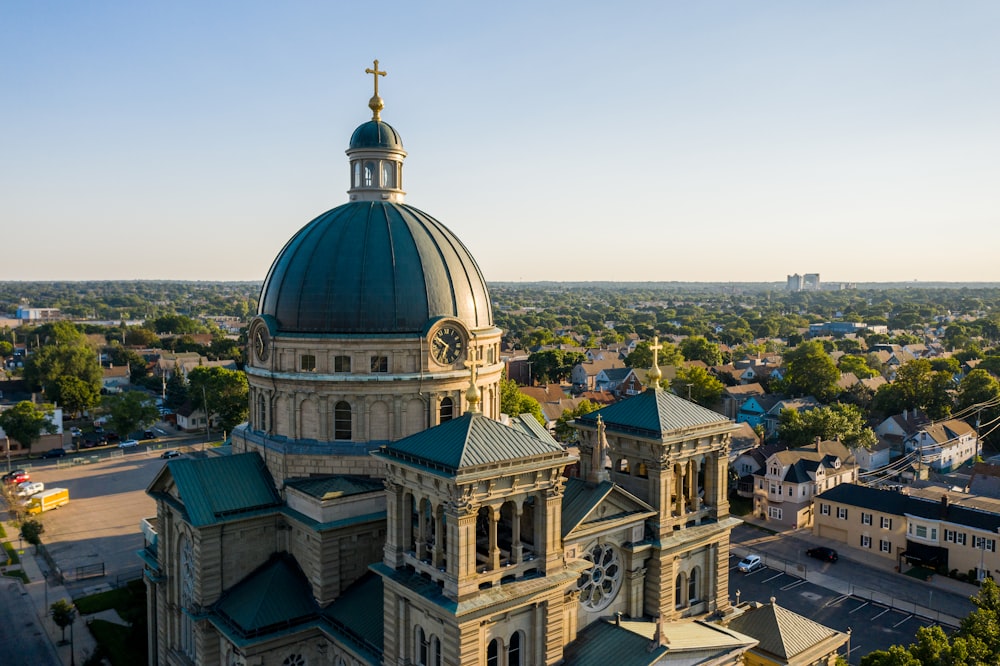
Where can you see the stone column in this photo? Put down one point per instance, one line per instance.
(516, 547)
(679, 510)
(421, 537)
(438, 554)
(692, 485)
(493, 517)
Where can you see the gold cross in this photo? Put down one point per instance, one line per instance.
(375, 73)
(655, 348)
(472, 364)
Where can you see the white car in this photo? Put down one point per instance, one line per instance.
(127, 443)
(29, 488)
(750, 563)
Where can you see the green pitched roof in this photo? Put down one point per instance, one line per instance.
(653, 412)
(469, 441)
(581, 498)
(781, 632)
(276, 596)
(213, 489)
(358, 612)
(604, 643)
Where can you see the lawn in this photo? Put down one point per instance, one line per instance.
(122, 645)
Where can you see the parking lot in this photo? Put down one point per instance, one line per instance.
(100, 525)
(873, 626)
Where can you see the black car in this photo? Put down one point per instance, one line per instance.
(148, 434)
(54, 453)
(170, 454)
(823, 553)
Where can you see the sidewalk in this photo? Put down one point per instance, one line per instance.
(42, 595)
(950, 606)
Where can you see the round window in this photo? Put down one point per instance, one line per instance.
(599, 585)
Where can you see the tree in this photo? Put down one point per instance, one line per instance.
(6, 349)
(66, 353)
(25, 422)
(76, 395)
(564, 431)
(31, 531)
(63, 614)
(226, 391)
(811, 371)
(514, 403)
(553, 365)
(176, 390)
(845, 422)
(698, 348)
(642, 357)
(705, 389)
(858, 365)
(916, 386)
(130, 411)
(980, 390)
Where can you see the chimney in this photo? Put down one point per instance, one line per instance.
(944, 506)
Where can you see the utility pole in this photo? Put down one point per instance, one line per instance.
(208, 420)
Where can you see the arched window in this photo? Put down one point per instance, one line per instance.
(294, 660)
(643, 473)
(679, 586)
(447, 409)
(693, 585)
(423, 648)
(435, 651)
(514, 650)
(388, 174)
(623, 466)
(342, 420)
(357, 174)
(369, 174)
(493, 653)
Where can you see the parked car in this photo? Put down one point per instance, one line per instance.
(54, 453)
(112, 437)
(91, 439)
(75, 432)
(128, 443)
(16, 476)
(823, 553)
(750, 563)
(170, 454)
(29, 488)
(148, 434)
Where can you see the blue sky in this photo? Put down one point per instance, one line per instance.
(706, 141)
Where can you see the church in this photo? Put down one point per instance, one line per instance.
(377, 507)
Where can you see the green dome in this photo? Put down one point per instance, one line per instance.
(374, 267)
(376, 134)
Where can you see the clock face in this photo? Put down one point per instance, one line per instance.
(260, 340)
(447, 345)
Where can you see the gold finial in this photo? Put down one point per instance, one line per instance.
(654, 375)
(375, 103)
(472, 395)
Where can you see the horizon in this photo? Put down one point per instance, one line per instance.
(560, 143)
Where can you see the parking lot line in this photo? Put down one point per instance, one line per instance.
(800, 581)
(836, 601)
(882, 613)
(902, 621)
(851, 612)
(777, 575)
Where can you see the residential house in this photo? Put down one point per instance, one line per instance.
(620, 381)
(786, 638)
(755, 408)
(876, 457)
(785, 487)
(771, 418)
(747, 463)
(584, 375)
(115, 378)
(733, 397)
(946, 534)
(944, 445)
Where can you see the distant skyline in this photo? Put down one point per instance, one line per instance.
(585, 141)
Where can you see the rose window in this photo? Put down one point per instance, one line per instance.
(599, 585)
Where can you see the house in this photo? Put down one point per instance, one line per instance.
(947, 533)
(878, 456)
(729, 375)
(785, 487)
(584, 375)
(786, 638)
(944, 445)
(115, 378)
(620, 381)
(755, 408)
(771, 418)
(733, 397)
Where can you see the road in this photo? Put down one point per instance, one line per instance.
(22, 639)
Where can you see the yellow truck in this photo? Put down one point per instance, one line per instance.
(53, 498)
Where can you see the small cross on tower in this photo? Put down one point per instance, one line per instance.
(375, 103)
(654, 375)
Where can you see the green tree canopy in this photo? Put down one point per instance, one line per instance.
(699, 348)
(564, 431)
(811, 371)
(77, 395)
(858, 365)
(705, 389)
(227, 393)
(514, 403)
(553, 365)
(25, 422)
(31, 531)
(918, 386)
(642, 357)
(844, 421)
(130, 411)
(66, 353)
(63, 614)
